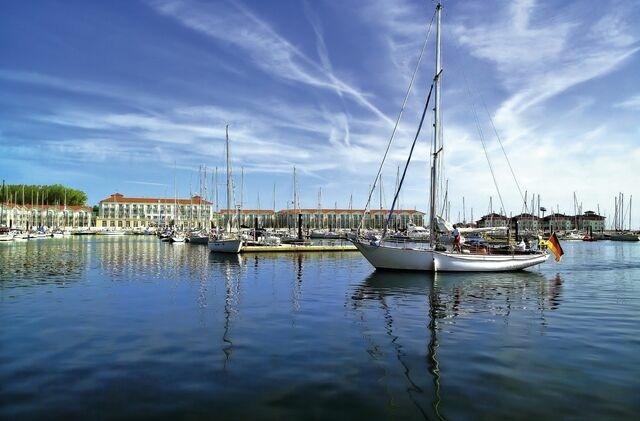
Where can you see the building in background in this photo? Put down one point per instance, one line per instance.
(129, 213)
(29, 217)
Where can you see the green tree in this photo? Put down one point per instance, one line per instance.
(56, 194)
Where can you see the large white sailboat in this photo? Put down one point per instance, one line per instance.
(226, 242)
(387, 254)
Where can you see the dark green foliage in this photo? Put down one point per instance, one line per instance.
(56, 194)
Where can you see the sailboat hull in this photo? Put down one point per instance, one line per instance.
(225, 246)
(461, 262)
(390, 257)
(396, 257)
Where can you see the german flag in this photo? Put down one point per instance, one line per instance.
(554, 245)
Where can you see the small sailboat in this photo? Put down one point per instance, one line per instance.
(226, 242)
(435, 254)
(6, 234)
(177, 237)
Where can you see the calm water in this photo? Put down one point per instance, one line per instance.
(130, 327)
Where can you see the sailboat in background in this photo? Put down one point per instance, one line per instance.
(385, 253)
(226, 242)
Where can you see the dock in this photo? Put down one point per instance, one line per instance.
(293, 248)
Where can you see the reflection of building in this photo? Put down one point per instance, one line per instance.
(118, 211)
(54, 216)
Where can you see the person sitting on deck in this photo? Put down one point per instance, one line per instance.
(456, 239)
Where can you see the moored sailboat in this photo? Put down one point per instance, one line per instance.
(226, 242)
(434, 255)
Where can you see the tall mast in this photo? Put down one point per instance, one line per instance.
(228, 180)
(630, 198)
(319, 216)
(295, 200)
(242, 187)
(382, 225)
(436, 131)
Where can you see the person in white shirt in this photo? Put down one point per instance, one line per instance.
(456, 239)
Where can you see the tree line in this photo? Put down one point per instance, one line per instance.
(56, 194)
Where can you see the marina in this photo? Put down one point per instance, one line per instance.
(319, 210)
(130, 327)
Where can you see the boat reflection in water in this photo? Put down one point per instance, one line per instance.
(441, 301)
(230, 266)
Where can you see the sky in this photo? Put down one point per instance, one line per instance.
(134, 97)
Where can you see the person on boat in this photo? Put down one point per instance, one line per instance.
(456, 239)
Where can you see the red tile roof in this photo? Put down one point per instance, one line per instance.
(119, 198)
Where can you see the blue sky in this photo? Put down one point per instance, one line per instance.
(127, 95)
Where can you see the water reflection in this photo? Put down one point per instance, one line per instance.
(296, 291)
(389, 289)
(293, 269)
(432, 299)
(46, 261)
(230, 267)
(129, 258)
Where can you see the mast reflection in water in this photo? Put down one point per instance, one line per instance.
(446, 297)
(230, 265)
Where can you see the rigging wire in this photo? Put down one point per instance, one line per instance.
(481, 100)
(413, 145)
(395, 128)
(513, 174)
(482, 140)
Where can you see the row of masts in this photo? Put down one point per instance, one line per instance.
(621, 221)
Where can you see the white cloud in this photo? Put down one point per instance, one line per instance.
(632, 103)
(266, 48)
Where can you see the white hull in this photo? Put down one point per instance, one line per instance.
(6, 237)
(38, 236)
(397, 257)
(461, 262)
(392, 257)
(113, 233)
(225, 246)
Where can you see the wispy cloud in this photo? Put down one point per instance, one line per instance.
(267, 49)
(121, 94)
(632, 103)
(539, 61)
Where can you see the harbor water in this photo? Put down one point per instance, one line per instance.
(104, 327)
